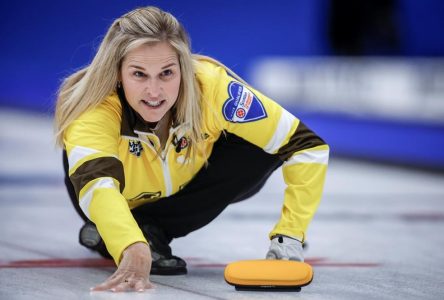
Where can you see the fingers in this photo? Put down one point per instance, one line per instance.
(110, 283)
(120, 284)
(143, 285)
(132, 273)
(139, 285)
(271, 255)
(121, 287)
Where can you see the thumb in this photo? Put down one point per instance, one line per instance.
(271, 255)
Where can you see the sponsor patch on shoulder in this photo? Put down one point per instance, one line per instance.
(243, 106)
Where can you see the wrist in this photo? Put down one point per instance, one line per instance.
(137, 249)
(282, 236)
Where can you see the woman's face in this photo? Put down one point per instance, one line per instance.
(151, 77)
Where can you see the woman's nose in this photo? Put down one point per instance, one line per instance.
(153, 88)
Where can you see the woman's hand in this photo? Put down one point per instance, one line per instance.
(133, 271)
(284, 247)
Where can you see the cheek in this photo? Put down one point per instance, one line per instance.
(132, 90)
(174, 88)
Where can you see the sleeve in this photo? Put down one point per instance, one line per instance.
(243, 111)
(97, 174)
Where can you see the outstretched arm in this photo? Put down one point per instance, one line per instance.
(97, 175)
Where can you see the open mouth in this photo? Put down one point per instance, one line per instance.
(153, 104)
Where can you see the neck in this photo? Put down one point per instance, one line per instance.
(154, 126)
(162, 123)
(161, 129)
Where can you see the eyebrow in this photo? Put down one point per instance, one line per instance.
(169, 65)
(163, 68)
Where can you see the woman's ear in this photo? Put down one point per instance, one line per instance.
(119, 73)
(119, 79)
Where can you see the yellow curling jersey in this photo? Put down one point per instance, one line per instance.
(115, 163)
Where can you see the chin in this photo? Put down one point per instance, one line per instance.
(151, 119)
(152, 115)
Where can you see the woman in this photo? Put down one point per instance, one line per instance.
(158, 141)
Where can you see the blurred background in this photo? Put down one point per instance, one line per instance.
(368, 76)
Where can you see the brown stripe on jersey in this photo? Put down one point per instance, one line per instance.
(96, 168)
(302, 139)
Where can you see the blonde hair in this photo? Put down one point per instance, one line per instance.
(88, 87)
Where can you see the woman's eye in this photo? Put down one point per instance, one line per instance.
(138, 74)
(166, 73)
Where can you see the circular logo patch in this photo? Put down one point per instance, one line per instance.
(183, 143)
(240, 113)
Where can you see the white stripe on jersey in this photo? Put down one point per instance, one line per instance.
(78, 153)
(85, 201)
(309, 157)
(281, 133)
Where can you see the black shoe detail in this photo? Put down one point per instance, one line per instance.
(169, 266)
(164, 262)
